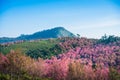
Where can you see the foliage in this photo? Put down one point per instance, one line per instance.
(81, 59)
(35, 49)
(109, 39)
(76, 71)
(21, 67)
(114, 74)
(4, 76)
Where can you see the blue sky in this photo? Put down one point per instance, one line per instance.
(89, 18)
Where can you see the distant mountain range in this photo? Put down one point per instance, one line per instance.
(45, 34)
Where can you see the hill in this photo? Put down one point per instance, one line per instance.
(61, 59)
(56, 32)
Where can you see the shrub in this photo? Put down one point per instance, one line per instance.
(75, 71)
(114, 74)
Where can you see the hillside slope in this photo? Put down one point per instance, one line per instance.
(45, 34)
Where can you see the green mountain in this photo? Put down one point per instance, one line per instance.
(45, 34)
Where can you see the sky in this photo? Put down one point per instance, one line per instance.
(89, 18)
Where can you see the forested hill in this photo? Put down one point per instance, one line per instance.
(45, 34)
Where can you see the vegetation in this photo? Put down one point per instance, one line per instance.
(40, 48)
(45, 34)
(80, 59)
(109, 39)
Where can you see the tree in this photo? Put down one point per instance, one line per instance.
(78, 35)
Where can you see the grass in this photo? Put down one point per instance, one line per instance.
(35, 49)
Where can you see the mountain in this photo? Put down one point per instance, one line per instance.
(45, 34)
(6, 39)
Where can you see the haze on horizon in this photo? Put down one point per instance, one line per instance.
(89, 18)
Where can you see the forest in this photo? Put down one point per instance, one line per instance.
(66, 58)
